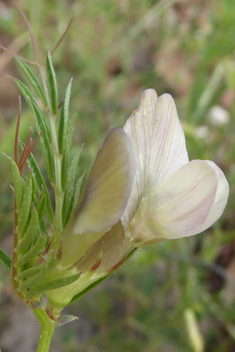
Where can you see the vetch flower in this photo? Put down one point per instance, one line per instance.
(94, 233)
(171, 197)
(142, 189)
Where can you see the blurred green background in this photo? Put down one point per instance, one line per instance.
(114, 50)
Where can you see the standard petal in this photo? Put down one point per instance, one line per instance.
(184, 204)
(158, 144)
(107, 189)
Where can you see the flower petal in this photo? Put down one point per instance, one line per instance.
(107, 252)
(74, 247)
(107, 189)
(104, 256)
(158, 144)
(184, 204)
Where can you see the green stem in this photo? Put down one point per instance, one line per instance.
(47, 329)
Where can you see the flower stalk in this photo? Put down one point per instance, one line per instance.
(47, 329)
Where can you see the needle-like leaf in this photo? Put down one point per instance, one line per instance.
(32, 79)
(27, 200)
(64, 119)
(41, 186)
(5, 260)
(18, 186)
(51, 285)
(34, 251)
(52, 85)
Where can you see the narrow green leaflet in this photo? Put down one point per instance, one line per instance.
(41, 126)
(62, 132)
(31, 271)
(41, 205)
(52, 261)
(41, 122)
(67, 149)
(30, 233)
(5, 260)
(26, 205)
(43, 227)
(52, 85)
(24, 91)
(18, 185)
(64, 169)
(67, 212)
(45, 140)
(52, 285)
(32, 79)
(41, 186)
(34, 251)
(36, 269)
(70, 179)
(69, 132)
(76, 193)
(33, 280)
(34, 197)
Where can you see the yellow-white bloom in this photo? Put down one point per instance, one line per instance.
(142, 189)
(171, 197)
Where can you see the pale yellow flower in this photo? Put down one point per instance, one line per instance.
(142, 189)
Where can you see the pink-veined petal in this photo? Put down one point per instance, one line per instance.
(107, 189)
(158, 144)
(184, 204)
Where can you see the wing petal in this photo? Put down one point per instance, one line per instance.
(184, 204)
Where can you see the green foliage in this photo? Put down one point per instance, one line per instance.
(45, 139)
(33, 259)
(41, 126)
(64, 118)
(51, 285)
(17, 182)
(31, 232)
(67, 150)
(41, 185)
(34, 279)
(32, 79)
(70, 189)
(31, 271)
(5, 260)
(25, 91)
(24, 210)
(68, 211)
(34, 251)
(52, 85)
